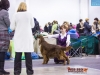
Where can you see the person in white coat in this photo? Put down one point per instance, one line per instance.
(22, 22)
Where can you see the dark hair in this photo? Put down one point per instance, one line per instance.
(70, 23)
(54, 22)
(96, 19)
(35, 19)
(80, 20)
(4, 4)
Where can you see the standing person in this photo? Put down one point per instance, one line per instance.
(54, 27)
(63, 39)
(87, 27)
(96, 23)
(50, 27)
(95, 27)
(22, 23)
(70, 26)
(4, 33)
(99, 25)
(80, 27)
(36, 27)
(46, 28)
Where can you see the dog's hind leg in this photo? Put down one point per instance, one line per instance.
(47, 60)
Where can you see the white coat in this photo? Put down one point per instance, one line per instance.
(22, 23)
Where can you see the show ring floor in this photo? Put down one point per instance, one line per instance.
(92, 64)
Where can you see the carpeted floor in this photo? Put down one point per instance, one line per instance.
(91, 62)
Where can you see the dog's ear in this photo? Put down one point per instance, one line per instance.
(69, 47)
(40, 41)
(38, 36)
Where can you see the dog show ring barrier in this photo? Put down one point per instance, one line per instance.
(87, 42)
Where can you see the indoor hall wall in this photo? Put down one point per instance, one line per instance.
(84, 9)
(13, 6)
(94, 11)
(49, 10)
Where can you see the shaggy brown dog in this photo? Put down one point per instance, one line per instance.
(51, 51)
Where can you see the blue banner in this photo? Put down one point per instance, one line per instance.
(95, 2)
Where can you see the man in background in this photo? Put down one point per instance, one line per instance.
(36, 26)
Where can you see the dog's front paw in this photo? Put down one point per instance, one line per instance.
(43, 63)
(68, 62)
(65, 63)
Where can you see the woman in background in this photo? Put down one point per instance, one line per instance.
(95, 27)
(63, 39)
(4, 33)
(54, 27)
(22, 23)
(99, 25)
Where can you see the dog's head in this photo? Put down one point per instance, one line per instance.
(41, 39)
(68, 48)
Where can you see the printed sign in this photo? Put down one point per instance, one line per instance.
(95, 2)
(77, 70)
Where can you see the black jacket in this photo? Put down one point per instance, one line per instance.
(36, 27)
(78, 28)
(46, 29)
(50, 28)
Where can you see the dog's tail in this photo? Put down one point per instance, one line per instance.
(66, 48)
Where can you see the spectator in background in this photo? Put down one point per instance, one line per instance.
(46, 29)
(95, 27)
(49, 27)
(57, 31)
(4, 33)
(58, 26)
(99, 25)
(36, 27)
(54, 27)
(41, 29)
(87, 27)
(80, 27)
(70, 26)
(96, 23)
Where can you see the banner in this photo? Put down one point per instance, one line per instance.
(95, 2)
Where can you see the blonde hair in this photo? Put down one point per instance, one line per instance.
(86, 19)
(22, 7)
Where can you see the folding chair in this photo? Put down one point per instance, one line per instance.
(77, 47)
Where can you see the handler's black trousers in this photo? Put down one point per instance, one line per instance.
(17, 63)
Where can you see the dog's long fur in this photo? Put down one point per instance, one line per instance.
(51, 51)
